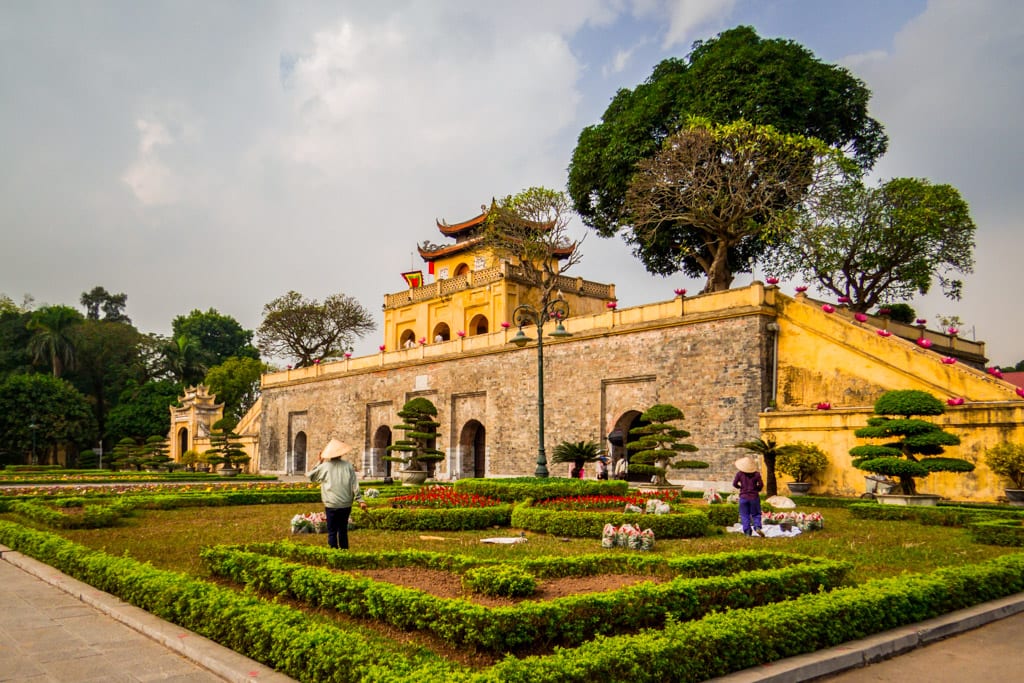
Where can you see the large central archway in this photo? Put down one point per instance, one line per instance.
(619, 437)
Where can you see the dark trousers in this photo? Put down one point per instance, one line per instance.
(337, 527)
(750, 515)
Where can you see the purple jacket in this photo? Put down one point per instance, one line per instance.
(749, 484)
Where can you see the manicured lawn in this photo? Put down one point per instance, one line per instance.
(171, 539)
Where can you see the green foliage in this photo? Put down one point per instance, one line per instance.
(218, 337)
(432, 519)
(581, 524)
(880, 244)
(910, 438)
(156, 450)
(659, 442)
(538, 488)
(506, 581)
(902, 313)
(735, 75)
(308, 330)
(143, 409)
(53, 337)
(1007, 460)
(128, 454)
(112, 305)
(236, 383)
(420, 428)
(61, 416)
(578, 453)
(90, 516)
(801, 460)
(1006, 532)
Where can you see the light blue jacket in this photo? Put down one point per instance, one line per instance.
(339, 485)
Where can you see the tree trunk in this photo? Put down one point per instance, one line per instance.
(771, 484)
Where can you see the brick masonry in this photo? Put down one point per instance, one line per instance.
(714, 370)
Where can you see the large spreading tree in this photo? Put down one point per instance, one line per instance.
(718, 189)
(217, 336)
(878, 245)
(736, 75)
(307, 330)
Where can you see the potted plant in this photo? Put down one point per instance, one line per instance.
(907, 439)
(1007, 461)
(802, 461)
(189, 460)
(659, 443)
(225, 448)
(579, 453)
(416, 451)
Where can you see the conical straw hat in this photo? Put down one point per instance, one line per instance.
(746, 464)
(335, 449)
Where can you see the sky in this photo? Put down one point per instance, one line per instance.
(199, 155)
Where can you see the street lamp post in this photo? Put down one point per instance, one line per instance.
(525, 314)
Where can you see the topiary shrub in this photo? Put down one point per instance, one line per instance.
(907, 438)
(1007, 460)
(502, 581)
(659, 442)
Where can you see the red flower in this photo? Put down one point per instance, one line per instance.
(772, 280)
(680, 292)
(801, 288)
(824, 405)
(381, 347)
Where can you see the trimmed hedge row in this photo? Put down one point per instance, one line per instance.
(688, 524)
(537, 488)
(938, 515)
(543, 567)
(566, 622)
(281, 637)
(721, 644)
(91, 517)
(1008, 532)
(431, 519)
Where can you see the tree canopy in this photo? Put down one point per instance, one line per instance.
(736, 75)
(307, 330)
(217, 337)
(236, 383)
(877, 245)
(714, 189)
(659, 442)
(45, 411)
(113, 305)
(53, 337)
(142, 410)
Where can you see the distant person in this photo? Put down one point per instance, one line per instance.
(339, 488)
(622, 469)
(410, 344)
(602, 467)
(748, 481)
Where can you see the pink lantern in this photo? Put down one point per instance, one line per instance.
(801, 288)
(860, 317)
(828, 308)
(316, 361)
(1020, 391)
(949, 360)
(348, 354)
(958, 401)
(506, 325)
(884, 333)
(824, 405)
(884, 311)
(924, 343)
(381, 347)
(680, 292)
(921, 321)
(461, 333)
(289, 367)
(953, 331)
(423, 341)
(995, 372)
(772, 280)
(844, 299)
(612, 305)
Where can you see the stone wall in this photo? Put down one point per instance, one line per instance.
(713, 369)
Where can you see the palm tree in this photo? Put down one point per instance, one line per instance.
(53, 337)
(578, 453)
(769, 449)
(183, 360)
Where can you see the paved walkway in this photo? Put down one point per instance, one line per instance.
(54, 629)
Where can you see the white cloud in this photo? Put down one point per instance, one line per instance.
(687, 16)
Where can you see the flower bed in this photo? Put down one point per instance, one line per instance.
(805, 521)
(442, 497)
(310, 523)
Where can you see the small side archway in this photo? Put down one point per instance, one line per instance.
(472, 450)
(299, 445)
(407, 340)
(442, 333)
(478, 325)
(461, 269)
(378, 449)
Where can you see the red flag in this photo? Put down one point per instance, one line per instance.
(430, 267)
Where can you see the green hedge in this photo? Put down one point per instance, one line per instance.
(281, 637)
(1008, 532)
(537, 488)
(432, 519)
(687, 524)
(566, 622)
(725, 643)
(90, 517)
(943, 515)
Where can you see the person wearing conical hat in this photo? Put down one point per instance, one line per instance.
(339, 489)
(748, 481)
